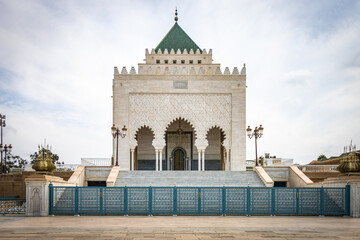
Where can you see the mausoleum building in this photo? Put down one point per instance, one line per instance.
(186, 123)
(183, 111)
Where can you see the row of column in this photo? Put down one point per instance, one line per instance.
(158, 159)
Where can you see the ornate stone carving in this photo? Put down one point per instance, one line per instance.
(202, 111)
(175, 140)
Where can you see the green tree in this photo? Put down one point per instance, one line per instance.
(53, 156)
(322, 157)
(14, 162)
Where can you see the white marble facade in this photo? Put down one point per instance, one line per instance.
(173, 86)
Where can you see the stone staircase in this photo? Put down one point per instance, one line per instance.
(188, 179)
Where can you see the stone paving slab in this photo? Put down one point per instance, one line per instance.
(180, 227)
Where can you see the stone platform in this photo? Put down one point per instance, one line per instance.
(204, 227)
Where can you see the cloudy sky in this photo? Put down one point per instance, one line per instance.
(302, 57)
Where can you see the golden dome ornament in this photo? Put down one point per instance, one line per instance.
(350, 165)
(44, 163)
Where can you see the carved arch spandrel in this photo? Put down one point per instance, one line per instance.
(183, 120)
(226, 141)
(158, 110)
(134, 141)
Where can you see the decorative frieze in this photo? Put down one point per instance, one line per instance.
(185, 70)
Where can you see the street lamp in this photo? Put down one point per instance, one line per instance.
(59, 164)
(258, 132)
(116, 133)
(2, 124)
(6, 149)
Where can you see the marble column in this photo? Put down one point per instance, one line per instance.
(160, 159)
(203, 160)
(132, 159)
(156, 160)
(199, 160)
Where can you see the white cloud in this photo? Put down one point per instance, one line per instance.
(57, 59)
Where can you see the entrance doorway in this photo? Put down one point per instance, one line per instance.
(96, 183)
(179, 135)
(178, 157)
(279, 184)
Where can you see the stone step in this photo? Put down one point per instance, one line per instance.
(188, 178)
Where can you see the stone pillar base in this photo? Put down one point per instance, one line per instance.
(37, 193)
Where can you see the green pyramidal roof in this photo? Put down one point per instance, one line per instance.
(176, 39)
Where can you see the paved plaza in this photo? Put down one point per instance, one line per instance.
(180, 227)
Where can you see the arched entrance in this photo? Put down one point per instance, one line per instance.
(179, 139)
(144, 152)
(215, 153)
(178, 159)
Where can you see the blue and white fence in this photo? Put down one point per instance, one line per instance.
(11, 205)
(199, 200)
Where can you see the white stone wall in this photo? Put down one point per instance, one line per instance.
(200, 93)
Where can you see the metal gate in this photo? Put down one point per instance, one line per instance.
(199, 200)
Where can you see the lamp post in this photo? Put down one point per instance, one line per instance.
(2, 124)
(116, 133)
(6, 149)
(258, 132)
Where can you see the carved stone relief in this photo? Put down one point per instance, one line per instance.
(202, 111)
(182, 141)
(36, 201)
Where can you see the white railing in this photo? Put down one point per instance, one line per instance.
(318, 168)
(278, 162)
(96, 162)
(66, 167)
(250, 163)
(59, 167)
(268, 162)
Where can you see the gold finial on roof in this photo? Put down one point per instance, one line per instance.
(176, 18)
